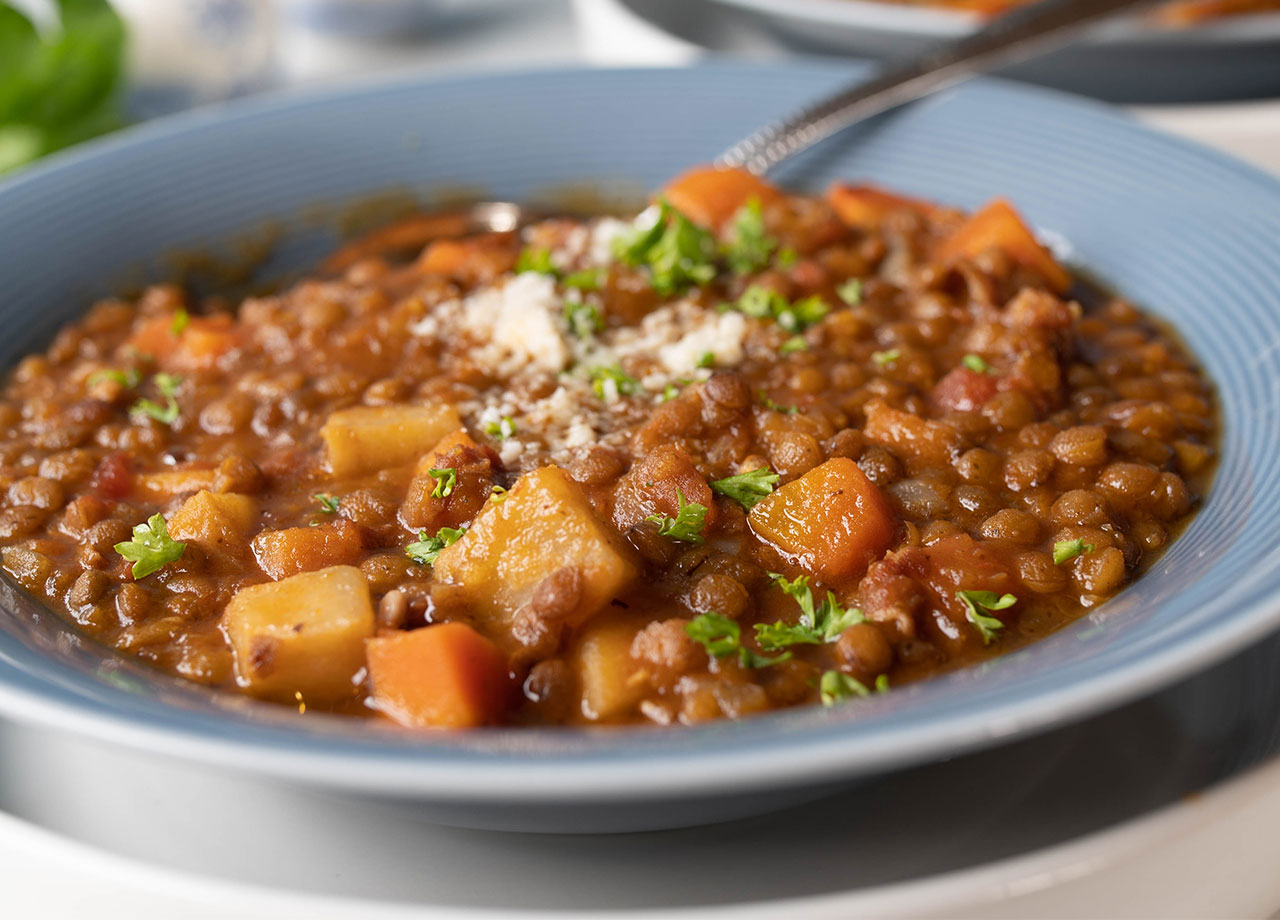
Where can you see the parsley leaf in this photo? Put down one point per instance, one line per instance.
(589, 279)
(768, 402)
(672, 390)
(181, 319)
(427, 549)
(1066, 550)
(706, 359)
(977, 601)
(151, 547)
(328, 503)
(750, 247)
(886, 357)
(583, 318)
(128, 378)
(686, 525)
(787, 258)
(819, 622)
(446, 478)
(850, 292)
(747, 488)
(836, 686)
(722, 638)
(976, 363)
(503, 429)
(793, 344)
(760, 302)
(677, 252)
(535, 260)
(167, 414)
(612, 382)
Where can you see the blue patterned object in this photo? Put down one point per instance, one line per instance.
(1187, 233)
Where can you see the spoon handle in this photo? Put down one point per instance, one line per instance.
(1010, 38)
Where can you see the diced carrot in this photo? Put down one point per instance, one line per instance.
(998, 226)
(832, 521)
(198, 346)
(282, 553)
(711, 196)
(472, 465)
(166, 484)
(965, 390)
(651, 485)
(478, 259)
(918, 441)
(443, 676)
(955, 563)
(866, 206)
(454, 440)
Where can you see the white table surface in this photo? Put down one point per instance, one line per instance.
(44, 875)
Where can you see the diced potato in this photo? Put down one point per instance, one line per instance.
(710, 196)
(444, 676)
(921, 442)
(167, 484)
(867, 206)
(999, 226)
(215, 521)
(832, 521)
(282, 553)
(610, 680)
(544, 522)
(363, 439)
(650, 487)
(303, 635)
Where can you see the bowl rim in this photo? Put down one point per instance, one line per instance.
(622, 767)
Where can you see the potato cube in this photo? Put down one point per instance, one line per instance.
(443, 676)
(544, 522)
(282, 553)
(363, 439)
(216, 521)
(610, 680)
(303, 635)
(832, 521)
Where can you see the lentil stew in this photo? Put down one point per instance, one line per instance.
(746, 451)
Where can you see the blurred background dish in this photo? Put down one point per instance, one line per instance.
(1137, 61)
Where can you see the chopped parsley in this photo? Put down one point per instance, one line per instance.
(583, 318)
(976, 363)
(687, 525)
(502, 429)
(750, 247)
(747, 488)
(181, 319)
(722, 638)
(836, 686)
(977, 601)
(707, 359)
(446, 478)
(426, 549)
(613, 381)
(672, 390)
(760, 302)
(128, 378)
(589, 279)
(1066, 550)
(677, 252)
(499, 494)
(819, 623)
(886, 357)
(536, 260)
(167, 414)
(328, 503)
(768, 402)
(787, 258)
(850, 292)
(793, 344)
(151, 547)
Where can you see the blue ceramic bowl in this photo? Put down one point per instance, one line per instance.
(1189, 234)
